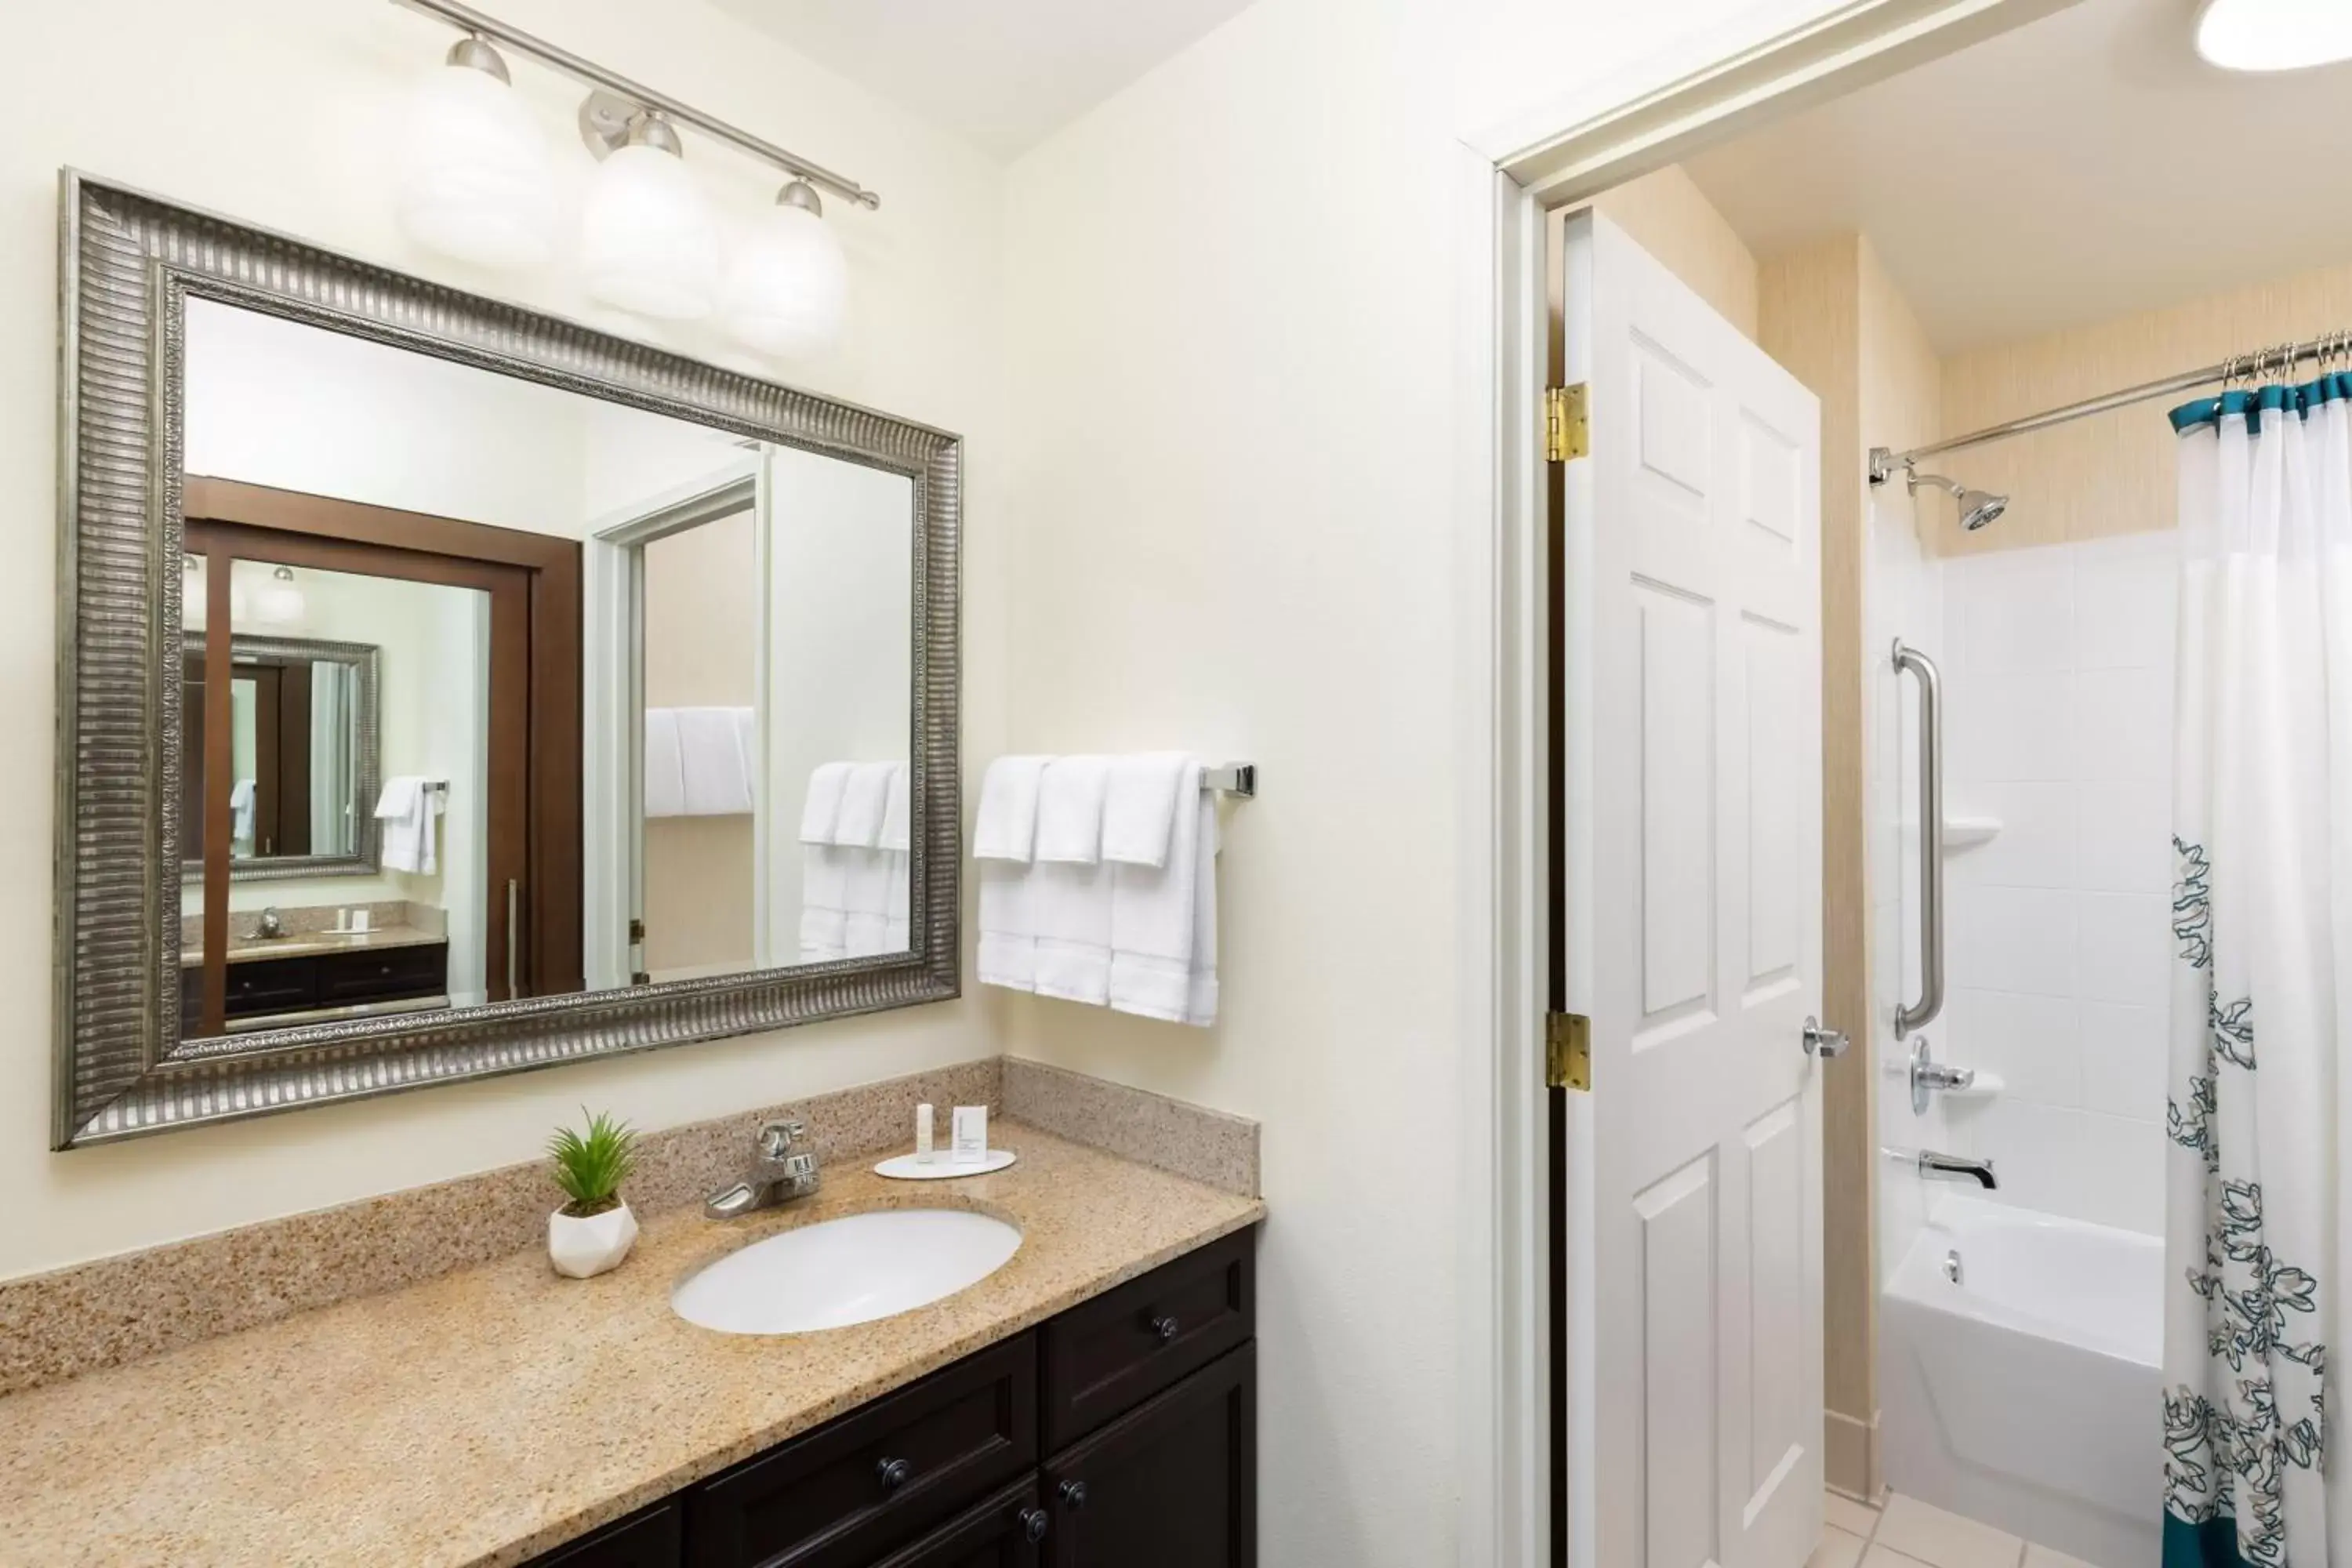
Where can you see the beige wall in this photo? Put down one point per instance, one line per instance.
(1671, 218)
(2112, 473)
(297, 104)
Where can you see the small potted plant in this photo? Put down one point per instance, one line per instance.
(594, 1230)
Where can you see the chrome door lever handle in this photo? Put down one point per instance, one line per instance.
(1822, 1043)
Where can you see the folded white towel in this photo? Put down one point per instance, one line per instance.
(866, 929)
(1070, 810)
(1164, 921)
(895, 812)
(1008, 926)
(1140, 805)
(718, 779)
(406, 808)
(1071, 905)
(821, 811)
(665, 784)
(1006, 829)
(824, 903)
(863, 802)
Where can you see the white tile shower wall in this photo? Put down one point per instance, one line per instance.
(1905, 600)
(2058, 671)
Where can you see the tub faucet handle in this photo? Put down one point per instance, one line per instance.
(1822, 1043)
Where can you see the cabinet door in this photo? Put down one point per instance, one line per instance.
(1171, 1484)
(1105, 1357)
(648, 1540)
(1008, 1530)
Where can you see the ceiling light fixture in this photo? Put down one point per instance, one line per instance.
(475, 178)
(2274, 34)
(647, 242)
(280, 603)
(787, 288)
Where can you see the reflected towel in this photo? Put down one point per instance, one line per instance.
(863, 802)
(894, 810)
(665, 776)
(821, 811)
(718, 778)
(824, 903)
(407, 809)
(241, 796)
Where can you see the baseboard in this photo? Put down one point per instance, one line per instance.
(1850, 1456)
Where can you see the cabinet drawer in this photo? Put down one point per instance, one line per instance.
(264, 985)
(384, 974)
(846, 1493)
(649, 1540)
(1109, 1355)
(1008, 1530)
(1171, 1484)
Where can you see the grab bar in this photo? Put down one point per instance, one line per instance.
(1931, 840)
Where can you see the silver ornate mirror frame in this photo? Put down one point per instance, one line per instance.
(129, 264)
(366, 836)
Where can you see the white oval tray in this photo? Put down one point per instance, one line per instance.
(905, 1167)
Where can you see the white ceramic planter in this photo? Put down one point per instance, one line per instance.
(581, 1247)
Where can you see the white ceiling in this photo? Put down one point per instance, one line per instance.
(1002, 74)
(2085, 167)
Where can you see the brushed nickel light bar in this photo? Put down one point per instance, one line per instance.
(604, 122)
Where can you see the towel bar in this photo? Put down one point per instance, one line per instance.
(1233, 778)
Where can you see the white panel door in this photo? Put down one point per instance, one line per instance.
(1691, 848)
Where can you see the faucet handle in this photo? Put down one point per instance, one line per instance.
(779, 1139)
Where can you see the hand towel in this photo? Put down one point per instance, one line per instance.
(1140, 805)
(665, 776)
(1164, 920)
(241, 795)
(865, 929)
(821, 809)
(1070, 810)
(824, 903)
(1008, 926)
(718, 782)
(895, 812)
(863, 802)
(1006, 829)
(1071, 906)
(406, 808)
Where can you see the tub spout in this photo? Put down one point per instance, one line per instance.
(1953, 1167)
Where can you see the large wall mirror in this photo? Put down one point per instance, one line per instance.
(452, 690)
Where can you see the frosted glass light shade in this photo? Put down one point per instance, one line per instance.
(475, 178)
(2274, 34)
(647, 243)
(787, 291)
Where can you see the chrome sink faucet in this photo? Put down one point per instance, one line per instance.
(272, 923)
(1953, 1167)
(781, 1171)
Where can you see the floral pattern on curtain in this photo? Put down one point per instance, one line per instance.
(2262, 825)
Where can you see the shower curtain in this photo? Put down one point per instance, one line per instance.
(2262, 916)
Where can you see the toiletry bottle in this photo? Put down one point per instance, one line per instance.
(923, 1152)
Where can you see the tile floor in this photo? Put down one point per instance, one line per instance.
(1908, 1533)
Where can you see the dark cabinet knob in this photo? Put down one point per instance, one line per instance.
(1033, 1523)
(1074, 1493)
(895, 1473)
(1164, 1327)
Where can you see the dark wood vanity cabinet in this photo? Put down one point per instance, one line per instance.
(1122, 1434)
(306, 982)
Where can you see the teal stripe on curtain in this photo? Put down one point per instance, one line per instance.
(2281, 400)
(2212, 1544)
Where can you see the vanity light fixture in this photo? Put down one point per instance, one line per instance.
(649, 244)
(281, 603)
(2274, 34)
(475, 178)
(788, 284)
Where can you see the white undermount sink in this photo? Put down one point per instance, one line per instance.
(845, 1271)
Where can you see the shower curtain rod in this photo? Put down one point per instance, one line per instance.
(1884, 464)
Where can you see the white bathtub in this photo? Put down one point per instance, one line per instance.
(2028, 1395)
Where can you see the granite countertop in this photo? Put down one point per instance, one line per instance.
(487, 1416)
(309, 943)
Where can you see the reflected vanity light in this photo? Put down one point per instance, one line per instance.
(478, 185)
(2274, 34)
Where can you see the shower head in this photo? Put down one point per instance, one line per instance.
(1977, 508)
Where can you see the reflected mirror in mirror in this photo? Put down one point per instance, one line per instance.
(529, 692)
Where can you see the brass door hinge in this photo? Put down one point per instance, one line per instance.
(1567, 1050)
(1568, 428)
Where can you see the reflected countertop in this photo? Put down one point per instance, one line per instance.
(311, 943)
(487, 1415)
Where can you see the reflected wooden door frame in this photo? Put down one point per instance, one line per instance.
(534, 580)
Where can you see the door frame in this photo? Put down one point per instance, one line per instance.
(1774, 62)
